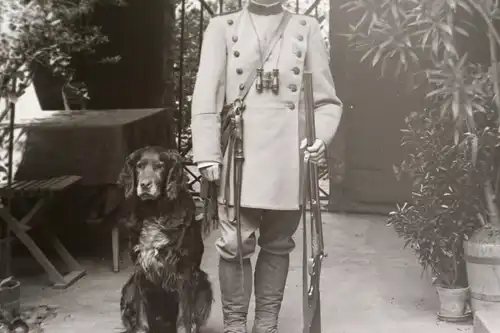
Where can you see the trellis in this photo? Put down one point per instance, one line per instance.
(205, 7)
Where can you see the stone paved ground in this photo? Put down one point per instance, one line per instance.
(369, 284)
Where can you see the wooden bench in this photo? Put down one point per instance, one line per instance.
(43, 190)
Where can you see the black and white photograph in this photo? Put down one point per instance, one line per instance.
(249, 166)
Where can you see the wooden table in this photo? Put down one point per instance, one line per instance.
(92, 145)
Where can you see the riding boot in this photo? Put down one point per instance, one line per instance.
(271, 272)
(235, 299)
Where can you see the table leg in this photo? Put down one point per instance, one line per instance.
(5, 254)
(115, 243)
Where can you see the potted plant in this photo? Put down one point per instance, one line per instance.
(10, 296)
(447, 196)
(451, 144)
(10, 303)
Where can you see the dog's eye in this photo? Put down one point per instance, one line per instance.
(158, 166)
(141, 164)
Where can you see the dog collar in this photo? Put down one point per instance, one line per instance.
(260, 9)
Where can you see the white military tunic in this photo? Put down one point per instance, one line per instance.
(274, 125)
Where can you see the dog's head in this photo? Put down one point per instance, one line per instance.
(151, 173)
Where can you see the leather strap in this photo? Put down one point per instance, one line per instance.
(278, 33)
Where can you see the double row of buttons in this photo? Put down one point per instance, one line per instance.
(295, 70)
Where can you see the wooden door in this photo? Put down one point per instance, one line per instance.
(367, 144)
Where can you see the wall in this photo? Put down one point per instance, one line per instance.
(368, 142)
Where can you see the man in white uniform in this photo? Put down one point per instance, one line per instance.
(274, 132)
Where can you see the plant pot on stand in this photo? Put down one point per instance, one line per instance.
(453, 304)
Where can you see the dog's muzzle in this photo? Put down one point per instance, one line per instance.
(148, 190)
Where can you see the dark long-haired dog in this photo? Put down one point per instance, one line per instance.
(168, 290)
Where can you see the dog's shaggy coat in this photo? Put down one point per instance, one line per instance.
(168, 290)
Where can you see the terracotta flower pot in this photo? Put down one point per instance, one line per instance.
(453, 303)
(10, 297)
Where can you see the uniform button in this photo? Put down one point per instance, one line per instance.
(293, 87)
(298, 54)
(296, 71)
(242, 86)
(300, 38)
(230, 22)
(235, 39)
(302, 22)
(236, 54)
(239, 71)
(291, 106)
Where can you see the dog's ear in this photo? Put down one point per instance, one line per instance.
(176, 178)
(127, 178)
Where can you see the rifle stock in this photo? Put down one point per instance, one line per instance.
(312, 264)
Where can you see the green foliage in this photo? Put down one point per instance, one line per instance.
(420, 35)
(451, 144)
(447, 192)
(44, 32)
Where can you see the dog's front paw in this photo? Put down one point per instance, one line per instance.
(194, 329)
(182, 329)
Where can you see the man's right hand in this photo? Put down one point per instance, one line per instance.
(211, 173)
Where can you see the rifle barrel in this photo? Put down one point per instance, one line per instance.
(309, 105)
(313, 169)
(312, 311)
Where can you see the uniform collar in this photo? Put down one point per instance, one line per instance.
(259, 9)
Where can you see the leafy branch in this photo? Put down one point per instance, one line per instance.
(45, 32)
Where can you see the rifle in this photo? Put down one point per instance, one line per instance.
(311, 269)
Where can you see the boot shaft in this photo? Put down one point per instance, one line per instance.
(235, 297)
(271, 273)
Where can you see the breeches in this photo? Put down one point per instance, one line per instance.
(276, 230)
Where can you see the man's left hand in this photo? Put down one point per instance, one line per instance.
(317, 152)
